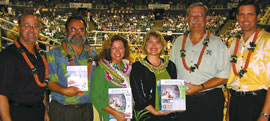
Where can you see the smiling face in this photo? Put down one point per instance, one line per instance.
(29, 29)
(153, 46)
(247, 18)
(117, 51)
(76, 32)
(197, 18)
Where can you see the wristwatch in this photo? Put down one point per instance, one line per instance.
(265, 115)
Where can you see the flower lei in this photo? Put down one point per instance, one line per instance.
(152, 68)
(71, 57)
(183, 52)
(113, 74)
(250, 51)
(32, 67)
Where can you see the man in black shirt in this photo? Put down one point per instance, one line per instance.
(22, 76)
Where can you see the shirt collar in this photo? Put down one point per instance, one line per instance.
(24, 48)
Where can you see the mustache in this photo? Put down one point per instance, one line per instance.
(77, 35)
(80, 40)
(197, 22)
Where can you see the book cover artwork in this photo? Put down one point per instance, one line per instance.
(77, 76)
(121, 100)
(172, 95)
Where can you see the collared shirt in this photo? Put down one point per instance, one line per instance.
(17, 81)
(258, 71)
(215, 60)
(58, 62)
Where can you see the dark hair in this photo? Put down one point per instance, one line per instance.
(195, 5)
(249, 2)
(23, 15)
(107, 45)
(74, 18)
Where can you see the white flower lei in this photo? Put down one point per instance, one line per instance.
(113, 74)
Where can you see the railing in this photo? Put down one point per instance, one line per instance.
(48, 43)
(96, 37)
(119, 32)
(22, 4)
(135, 48)
(265, 20)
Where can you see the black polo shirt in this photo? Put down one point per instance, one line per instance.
(16, 79)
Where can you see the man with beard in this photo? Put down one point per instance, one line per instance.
(202, 61)
(23, 74)
(71, 68)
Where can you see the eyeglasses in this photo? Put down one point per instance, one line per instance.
(73, 29)
(196, 15)
(28, 26)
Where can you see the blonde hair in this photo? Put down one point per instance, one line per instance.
(156, 34)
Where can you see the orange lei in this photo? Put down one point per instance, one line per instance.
(71, 57)
(182, 51)
(250, 51)
(32, 67)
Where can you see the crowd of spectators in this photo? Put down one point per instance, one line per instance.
(120, 3)
(131, 4)
(125, 23)
(231, 32)
(145, 22)
(53, 26)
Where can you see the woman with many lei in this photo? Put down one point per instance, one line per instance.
(112, 72)
(144, 78)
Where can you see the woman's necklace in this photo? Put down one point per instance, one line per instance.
(250, 51)
(32, 67)
(160, 62)
(183, 52)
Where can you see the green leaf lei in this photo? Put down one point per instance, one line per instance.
(153, 69)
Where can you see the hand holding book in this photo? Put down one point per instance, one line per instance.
(71, 91)
(120, 116)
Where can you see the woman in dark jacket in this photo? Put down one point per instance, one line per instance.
(145, 75)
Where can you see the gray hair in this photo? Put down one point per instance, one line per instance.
(195, 5)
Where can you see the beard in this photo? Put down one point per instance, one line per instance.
(76, 39)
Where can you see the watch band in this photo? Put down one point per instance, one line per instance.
(265, 115)
(203, 87)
